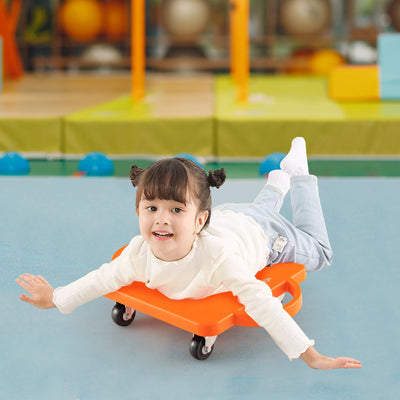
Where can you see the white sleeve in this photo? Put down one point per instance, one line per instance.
(108, 278)
(261, 306)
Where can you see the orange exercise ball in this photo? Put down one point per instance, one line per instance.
(323, 61)
(299, 61)
(82, 20)
(116, 19)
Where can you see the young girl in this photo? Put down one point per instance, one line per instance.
(185, 251)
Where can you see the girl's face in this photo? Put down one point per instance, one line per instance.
(170, 227)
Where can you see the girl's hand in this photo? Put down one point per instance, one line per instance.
(40, 290)
(318, 361)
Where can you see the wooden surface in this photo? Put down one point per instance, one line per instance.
(58, 95)
(181, 96)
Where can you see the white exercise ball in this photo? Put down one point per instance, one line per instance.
(305, 17)
(185, 19)
(103, 54)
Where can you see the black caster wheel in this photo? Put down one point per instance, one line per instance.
(198, 348)
(118, 315)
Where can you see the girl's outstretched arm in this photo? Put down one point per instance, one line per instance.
(318, 361)
(40, 290)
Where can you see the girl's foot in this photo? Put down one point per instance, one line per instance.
(295, 163)
(280, 180)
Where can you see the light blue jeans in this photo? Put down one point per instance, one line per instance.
(307, 237)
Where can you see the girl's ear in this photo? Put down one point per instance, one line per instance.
(201, 220)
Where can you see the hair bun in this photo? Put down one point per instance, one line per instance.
(134, 174)
(217, 177)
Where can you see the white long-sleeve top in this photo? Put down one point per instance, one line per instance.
(225, 257)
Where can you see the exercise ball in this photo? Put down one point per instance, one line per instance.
(271, 162)
(116, 19)
(299, 61)
(82, 20)
(102, 54)
(305, 17)
(359, 52)
(323, 61)
(185, 19)
(96, 164)
(12, 163)
(191, 158)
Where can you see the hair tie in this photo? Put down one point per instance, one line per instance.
(134, 174)
(216, 177)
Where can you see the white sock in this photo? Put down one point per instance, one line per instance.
(295, 163)
(280, 180)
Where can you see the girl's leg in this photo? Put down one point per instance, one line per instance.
(310, 236)
(306, 208)
(270, 198)
(306, 205)
(295, 163)
(265, 211)
(273, 193)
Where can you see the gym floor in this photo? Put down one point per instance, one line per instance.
(63, 227)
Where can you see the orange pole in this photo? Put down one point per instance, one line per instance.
(15, 11)
(8, 21)
(138, 56)
(233, 29)
(242, 63)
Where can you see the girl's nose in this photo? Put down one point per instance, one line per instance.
(162, 218)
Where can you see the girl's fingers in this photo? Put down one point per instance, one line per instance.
(349, 359)
(41, 279)
(28, 279)
(24, 285)
(27, 299)
(27, 276)
(352, 364)
(33, 280)
(39, 289)
(349, 362)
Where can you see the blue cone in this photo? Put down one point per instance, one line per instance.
(271, 162)
(96, 164)
(12, 163)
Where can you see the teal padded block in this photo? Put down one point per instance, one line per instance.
(389, 65)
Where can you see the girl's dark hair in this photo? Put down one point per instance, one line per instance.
(173, 179)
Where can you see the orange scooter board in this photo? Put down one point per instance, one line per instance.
(214, 314)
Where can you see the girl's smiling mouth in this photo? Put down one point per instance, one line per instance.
(162, 235)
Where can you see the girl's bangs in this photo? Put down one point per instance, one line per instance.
(168, 182)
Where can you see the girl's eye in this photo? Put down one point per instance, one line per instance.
(151, 208)
(177, 210)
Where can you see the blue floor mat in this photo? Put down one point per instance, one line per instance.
(63, 227)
